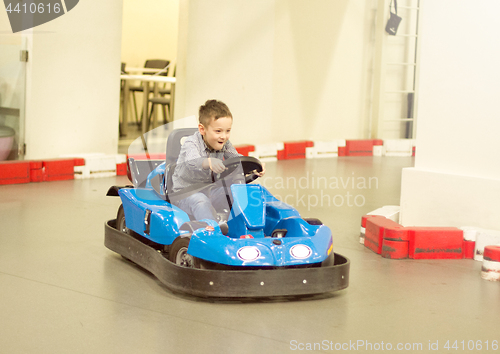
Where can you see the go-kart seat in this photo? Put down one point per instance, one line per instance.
(174, 144)
(175, 141)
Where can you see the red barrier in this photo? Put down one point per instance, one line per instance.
(13, 172)
(59, 169)
(364, 218)
(245, 149)
(294, 150)
(469, 247)
(374, 233)
(435, 243)
(121, 169)
(359, 147)
(492, 253)
(391, 240)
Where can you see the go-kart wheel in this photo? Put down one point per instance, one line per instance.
(120, 220)
(120, 225)
(313, 221)
(178, 253)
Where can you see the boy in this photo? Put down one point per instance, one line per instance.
(201, 156)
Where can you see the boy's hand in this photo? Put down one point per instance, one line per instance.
(216, 165)
(261, 173)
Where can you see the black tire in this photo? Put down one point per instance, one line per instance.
(178, 253)
(120, 220)
(121, 226)
(313, 221)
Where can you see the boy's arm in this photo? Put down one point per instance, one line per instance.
(191, 158)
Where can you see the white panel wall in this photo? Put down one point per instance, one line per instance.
(149, 31)
(288, 69)
(226, 52)
(73, 83)
(457, 135)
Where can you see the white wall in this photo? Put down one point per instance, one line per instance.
(149, 31)
(73, 82)
(456, 181)
(288, 69)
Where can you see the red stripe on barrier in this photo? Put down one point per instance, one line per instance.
(394, 249)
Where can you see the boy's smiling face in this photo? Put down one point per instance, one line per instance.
(217, 132)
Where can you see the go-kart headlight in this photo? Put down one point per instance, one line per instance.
(300, 251)
(248, 253)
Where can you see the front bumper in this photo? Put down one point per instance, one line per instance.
(229, 283)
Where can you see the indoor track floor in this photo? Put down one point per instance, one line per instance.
(62, 291)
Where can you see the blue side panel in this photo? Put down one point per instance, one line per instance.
(165, 218)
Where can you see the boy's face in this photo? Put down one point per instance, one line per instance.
(217, 132)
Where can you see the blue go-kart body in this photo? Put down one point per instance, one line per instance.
(264, 248)
(254, 219)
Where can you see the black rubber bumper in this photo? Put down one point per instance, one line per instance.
(229, 283)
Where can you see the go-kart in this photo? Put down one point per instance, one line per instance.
(261, 247)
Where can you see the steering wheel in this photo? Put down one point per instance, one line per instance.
(248, 164)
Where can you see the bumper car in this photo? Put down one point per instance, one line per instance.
(260, 247)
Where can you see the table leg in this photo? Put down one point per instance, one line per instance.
(145, 102)
(126, 93)
(154, 117)
(172, 100)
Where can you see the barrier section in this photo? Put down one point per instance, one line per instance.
(374, 234)
(491, 263)
(359, 148)
(398, 147)
(469, 247)
(267, 152)
(58, 169)
(37, 172)
(485, 238)
(294, 150)
(435, 243)
(245, 149)
(121, 169)
(13, 172)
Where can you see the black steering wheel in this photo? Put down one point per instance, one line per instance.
(248, 164)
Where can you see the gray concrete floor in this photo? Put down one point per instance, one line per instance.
(62, 291)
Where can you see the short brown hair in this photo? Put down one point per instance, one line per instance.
(213, 109)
